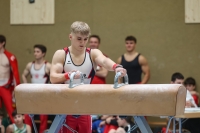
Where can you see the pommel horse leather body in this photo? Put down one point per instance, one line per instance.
(138, 100)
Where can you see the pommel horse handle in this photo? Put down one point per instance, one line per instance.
(116, 84)
(71, 85)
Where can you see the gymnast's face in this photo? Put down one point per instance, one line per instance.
(178, 81)
(78, 41)
(94, 43)
(38, 53)
(190, 87)
(130, 45)
(2, 45)
(120, 121)
(19, 119)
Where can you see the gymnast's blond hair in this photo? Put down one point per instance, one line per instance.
(79, 27)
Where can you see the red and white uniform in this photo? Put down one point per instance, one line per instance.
(81, 124)
(39, 76)
(86, 67)
(7, 85)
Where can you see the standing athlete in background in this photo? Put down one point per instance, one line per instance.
(9, 76)
(135, 63)
(39, 70)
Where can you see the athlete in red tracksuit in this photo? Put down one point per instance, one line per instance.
(39, 72)
(9, 76)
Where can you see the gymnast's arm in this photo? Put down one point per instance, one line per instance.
(107, 63)
(119, 60)
(101, 60)
(102, 72)
(28, 128)
(2, 129)
(26, 72)
(56, 75)
(10, 129)
(48, 67)
(145, 69)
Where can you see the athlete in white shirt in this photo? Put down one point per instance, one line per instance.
(39, 71)
(78, 58)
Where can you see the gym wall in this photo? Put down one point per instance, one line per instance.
(169, 44)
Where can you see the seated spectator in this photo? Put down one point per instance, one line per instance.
(190, 85)
(96, 127)
(18, 126)
(125, 124)
(110, 123)
(2, 128)
(191, 124)
(178, 78)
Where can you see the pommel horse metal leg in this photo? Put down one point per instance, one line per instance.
(32, 119)
(142, 124)
(180, 125)
(174, 124)
(169, 122)
(57, 124)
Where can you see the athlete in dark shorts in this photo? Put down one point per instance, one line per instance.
(135, 63)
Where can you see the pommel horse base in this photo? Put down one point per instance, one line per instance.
(89, 99)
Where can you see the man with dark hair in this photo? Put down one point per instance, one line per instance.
(178, 78)
(131, 38)
(94, 41)
(191, 124)
(39, 70)
(9, 76)
(101, 73)
(18, 126)
(190, 85)
(41, 47)
(135, 63)
(190, 81)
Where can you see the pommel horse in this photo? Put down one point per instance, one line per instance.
(88, 99)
